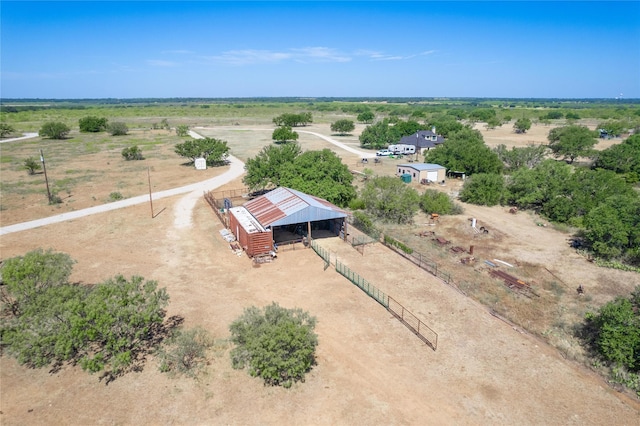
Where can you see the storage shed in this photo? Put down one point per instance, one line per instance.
(423, 171)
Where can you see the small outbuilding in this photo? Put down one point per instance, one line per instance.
(423, 172)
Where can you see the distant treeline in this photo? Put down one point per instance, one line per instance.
(33, 104)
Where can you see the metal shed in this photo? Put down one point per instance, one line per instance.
(423, 171)
(289, 213)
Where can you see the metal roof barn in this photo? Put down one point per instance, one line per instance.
(285, 206)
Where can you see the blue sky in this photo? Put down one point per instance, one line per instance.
(511, 49)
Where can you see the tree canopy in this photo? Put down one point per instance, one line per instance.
(274, 343)
(465, 151)
(111, 326)
(434, 201)
(366, 117)
(571, 142)
(445, 125)
(487, 189)
(214, 151)
(284, 134)
(614, 332)
(320, 173)
(54, 130)
(522, 125)
(390, 200)
(343, 126)
(529, 156)
(622, 158)
(265, 169)
(293, 120)
(93, 124)
(6, 129)
(387, 132)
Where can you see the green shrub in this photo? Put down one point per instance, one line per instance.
(276, 344)
(110, 326)
(614, 331)
(434, 201)
(132, 153)
(54, 130)
(185, 352)
(393, 242)
(31, 164)
(356, 204)
(117, 128)
(92, 124)
(115, 196)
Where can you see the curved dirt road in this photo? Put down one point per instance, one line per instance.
(25, 136)
(182, 209)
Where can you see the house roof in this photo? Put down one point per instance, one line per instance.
(422, 139)
(286, 206)
(422, 166)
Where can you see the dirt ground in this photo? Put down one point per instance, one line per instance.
(371, 369)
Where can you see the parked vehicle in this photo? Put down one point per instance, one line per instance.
(402, 149)
(383, 153)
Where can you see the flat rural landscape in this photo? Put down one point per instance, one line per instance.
(501, 357)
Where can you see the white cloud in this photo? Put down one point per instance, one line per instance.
(323, 54)
(250, 56)
(375, 55)
(161, 63)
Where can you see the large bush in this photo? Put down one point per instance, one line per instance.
(390, 200)
(214, 151)
(47, 320)
(484, 189)
(93, 124)
(117, 128)
(185, 352)
(54, 130)
(434, 201)
(465, 151)
(613, 332)
(274, 343)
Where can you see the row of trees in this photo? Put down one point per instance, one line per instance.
(59, 130)
(387, 132)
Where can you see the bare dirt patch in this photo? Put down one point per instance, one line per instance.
(370, 368)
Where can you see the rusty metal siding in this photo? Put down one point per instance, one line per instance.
(284, 206)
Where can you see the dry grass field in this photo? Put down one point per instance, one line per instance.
(371, 369)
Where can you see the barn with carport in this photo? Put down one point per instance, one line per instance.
(283, 216)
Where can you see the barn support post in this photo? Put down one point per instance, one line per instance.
(309, 232)
(344, 227)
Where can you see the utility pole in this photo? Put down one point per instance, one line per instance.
(150, 198)
(44, 167)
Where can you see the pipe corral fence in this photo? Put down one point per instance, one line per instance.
(413, 323)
